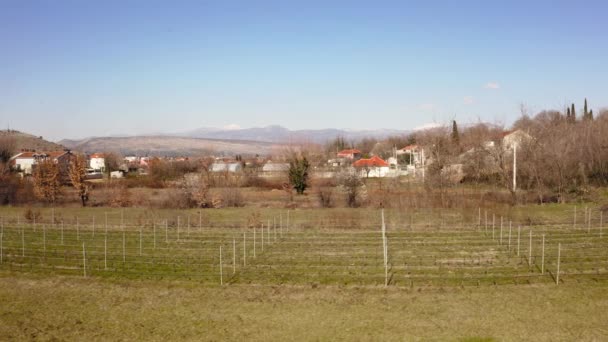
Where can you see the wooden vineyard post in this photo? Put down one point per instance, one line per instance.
(530, 250)
(244, 250)
(140, 240)
(124, 246)
(542, 262)
(486, 214)
(221, 271)
(518, 238)
(154, 233)
(105, 252)
(601, 222)
(559, 252)
(22, 242)
(166, 231)
(493, 223)
(106, 224)
(268, 231)
(84, 261)
(510, 222)
(44, 239)
(384, 249)
(500, 240)
(262, 239)
(254, 242)
(574, 222)
(233, 255)
(274, 227)
(178, 224)
(478, 217)
(589, 221)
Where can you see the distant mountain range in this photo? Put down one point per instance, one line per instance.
(251, 141)
(279, 134)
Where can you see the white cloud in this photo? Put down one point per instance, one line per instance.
(468, 100)
(492, 85)
(231, 127)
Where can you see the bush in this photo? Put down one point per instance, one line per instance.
(326, 197)
(232, 197)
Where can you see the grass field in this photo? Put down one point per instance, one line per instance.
(311, 274)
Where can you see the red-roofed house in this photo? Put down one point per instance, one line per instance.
(25, 161)
(97, 161)
(372, 167)
(352, 154)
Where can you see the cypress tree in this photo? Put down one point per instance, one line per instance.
(455, 134)
(591, 114)
(568, 114)
(572, 114)
(585, 112)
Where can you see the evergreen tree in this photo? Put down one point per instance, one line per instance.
(568, 114)
(585, 112)
(298, 174)
(591, 114)
(455, 134)
(572, 114)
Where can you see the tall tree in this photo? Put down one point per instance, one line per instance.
(585, 112)
(455, 134)
(572, 114)
(47, 184)
(78, 172)
(568, 115)
(298, 173)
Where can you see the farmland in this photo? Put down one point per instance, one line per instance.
(303, 247)
(310, 274)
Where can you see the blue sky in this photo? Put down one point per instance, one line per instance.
(72, 69)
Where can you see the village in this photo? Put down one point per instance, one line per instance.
(407, 161)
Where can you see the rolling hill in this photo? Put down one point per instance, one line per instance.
(159, 145)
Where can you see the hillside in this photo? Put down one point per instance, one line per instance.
(19, 141)
(170, 146)
(279, 134)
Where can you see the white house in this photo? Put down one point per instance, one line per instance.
(23, 162)
(414, 153)
(226, 167)
(517, 137)
(97, 161)
(372, 167)
(275, 167)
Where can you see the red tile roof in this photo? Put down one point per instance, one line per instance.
(97, 155)
(410, 147)
(351, 151)
(373, 161)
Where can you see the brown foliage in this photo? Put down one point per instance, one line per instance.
(47, 184)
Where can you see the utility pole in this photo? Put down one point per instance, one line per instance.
(514, 167)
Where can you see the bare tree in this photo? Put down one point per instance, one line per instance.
(47, 183)
(78, 173)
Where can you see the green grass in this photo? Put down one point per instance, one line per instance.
(38, 307)
(451, 278)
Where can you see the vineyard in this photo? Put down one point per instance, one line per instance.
(307, 247)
